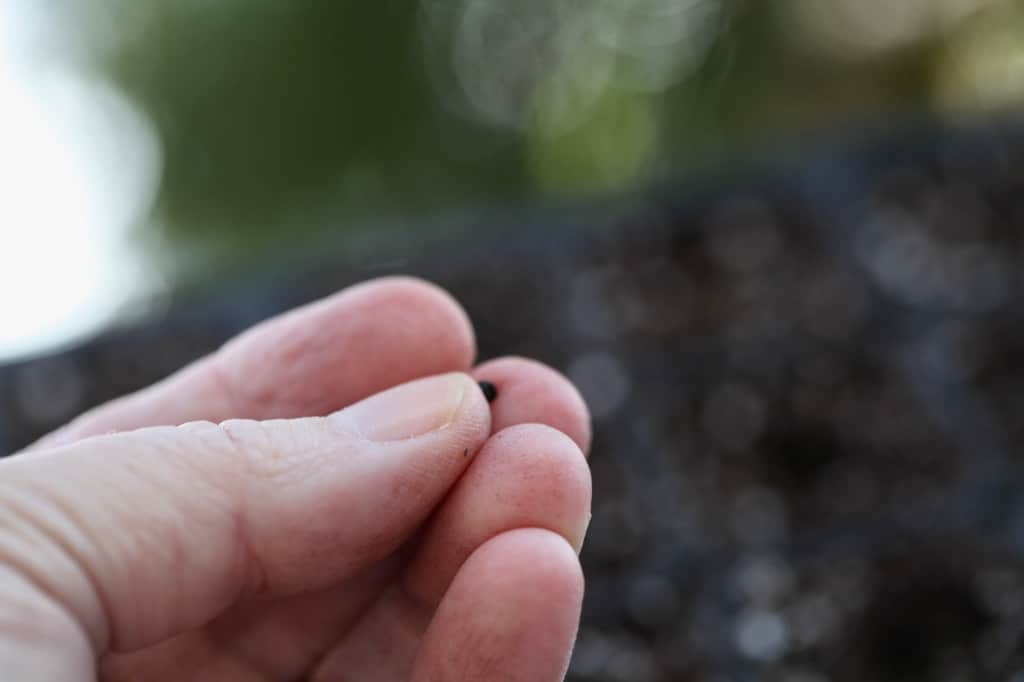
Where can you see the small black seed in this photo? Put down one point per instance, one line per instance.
(465, 453)
(490, 390)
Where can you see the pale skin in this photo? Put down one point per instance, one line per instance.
(328, 497)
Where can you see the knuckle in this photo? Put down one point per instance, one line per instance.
(252, 444)
(274, 451)
(228, 455)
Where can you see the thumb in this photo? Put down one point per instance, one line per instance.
(135, 537)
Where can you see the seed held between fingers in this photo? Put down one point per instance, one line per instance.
(490, 390)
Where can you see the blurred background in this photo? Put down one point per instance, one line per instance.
(776, 243)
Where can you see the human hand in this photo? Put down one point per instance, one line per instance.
(418, 534)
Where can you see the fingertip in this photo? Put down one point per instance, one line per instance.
(525, 476)
(362, 340)
(516, 602)
(546, 473)
(437, 308)
(537, 559)
(531, 392)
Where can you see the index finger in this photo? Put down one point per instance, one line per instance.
(309, 361)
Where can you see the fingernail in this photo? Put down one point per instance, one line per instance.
(490, 390)
(406, 411)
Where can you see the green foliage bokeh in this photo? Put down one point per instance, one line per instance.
(278, 117)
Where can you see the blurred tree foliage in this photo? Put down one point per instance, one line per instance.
(278, 117)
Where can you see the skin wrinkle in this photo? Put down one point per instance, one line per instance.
(206, 493)
(104, 599)
(343, 424)
(251, 445)
(265, 473)
(256, 579)
(211, 438)
(99, 636)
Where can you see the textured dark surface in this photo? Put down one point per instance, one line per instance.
(806, 384)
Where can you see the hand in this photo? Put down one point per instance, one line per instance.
(416, 534)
